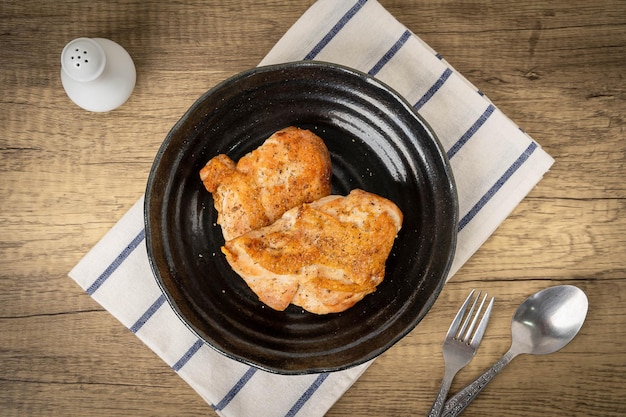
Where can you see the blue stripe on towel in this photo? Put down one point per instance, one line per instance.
(188, 355)
(235, 389)
(149, 312)
(390, 53)
(494, 189)
(470, 132)
(433, 89)
(307, 394)
(338, 26)
(117, 262)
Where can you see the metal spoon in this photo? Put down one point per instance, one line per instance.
(544, 323)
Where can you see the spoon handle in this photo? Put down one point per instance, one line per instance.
(459, 402)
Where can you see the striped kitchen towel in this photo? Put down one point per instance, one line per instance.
(495, 165)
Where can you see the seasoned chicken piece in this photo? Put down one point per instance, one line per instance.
(324, 256)
(290, 168)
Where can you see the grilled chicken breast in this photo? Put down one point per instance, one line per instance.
(291, 167)
(324, 256)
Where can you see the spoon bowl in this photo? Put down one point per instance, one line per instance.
(548, 320)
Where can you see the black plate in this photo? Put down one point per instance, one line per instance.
(377, 143)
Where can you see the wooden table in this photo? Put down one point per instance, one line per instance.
(66, 176)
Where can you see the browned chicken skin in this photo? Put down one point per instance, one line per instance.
(324, 256)
(290, 168)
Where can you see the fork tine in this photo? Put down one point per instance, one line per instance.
(466, 338)
(468, 317)
(454, 326)
(480, 331)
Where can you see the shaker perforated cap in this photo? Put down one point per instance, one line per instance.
(83, 59)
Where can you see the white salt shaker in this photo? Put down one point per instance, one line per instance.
(97, 74)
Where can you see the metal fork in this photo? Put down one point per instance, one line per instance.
(460, 346)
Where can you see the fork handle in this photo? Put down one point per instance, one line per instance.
(440, 400)
(459, 402)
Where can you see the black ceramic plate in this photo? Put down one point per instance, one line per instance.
(377, 143)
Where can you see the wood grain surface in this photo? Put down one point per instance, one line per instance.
(556, 68)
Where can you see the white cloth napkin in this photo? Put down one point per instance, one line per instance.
(495, 165)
